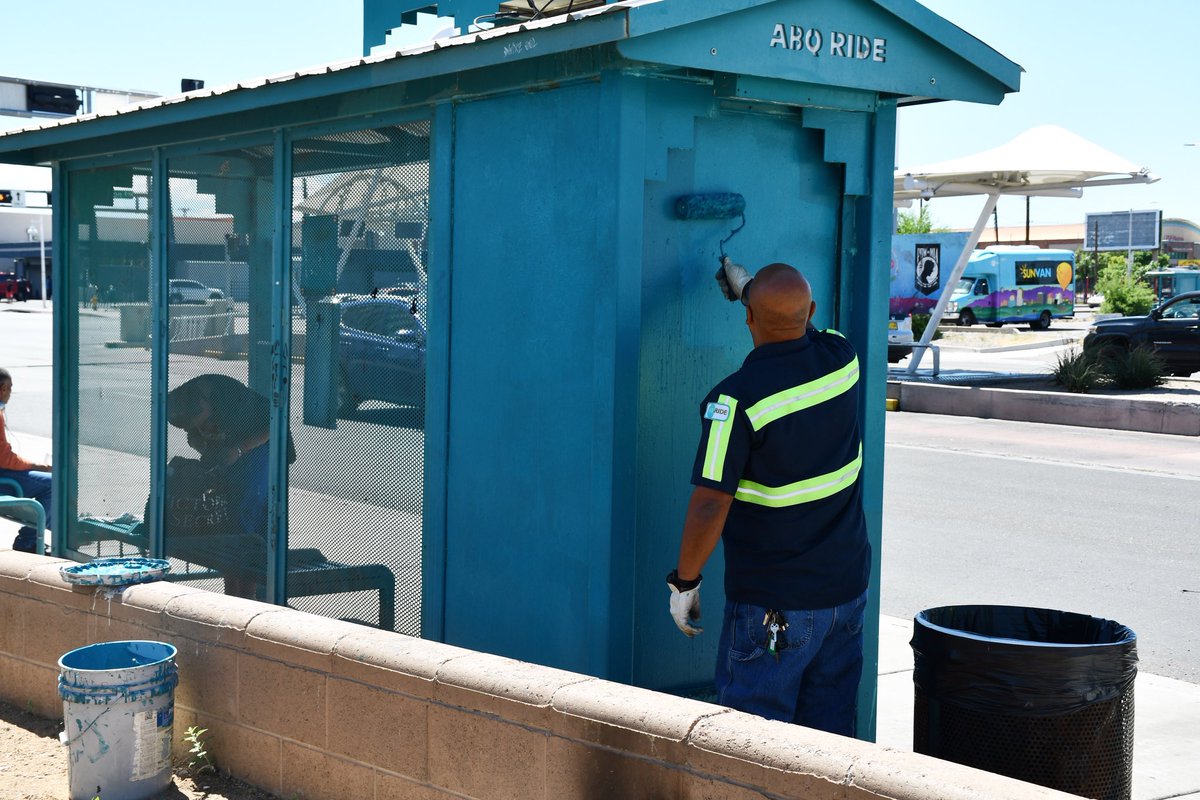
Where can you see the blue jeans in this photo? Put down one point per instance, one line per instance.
(36, 485)
(814, 680)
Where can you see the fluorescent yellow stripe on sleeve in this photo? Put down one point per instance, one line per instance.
(806, 491)
(806, 395)
(718, 442)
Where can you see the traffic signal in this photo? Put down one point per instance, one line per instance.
(52, 99)
(6, 197)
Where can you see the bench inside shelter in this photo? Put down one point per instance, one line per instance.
(309, 571)
(18, 508)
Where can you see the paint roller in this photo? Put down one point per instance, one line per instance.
(718, 205)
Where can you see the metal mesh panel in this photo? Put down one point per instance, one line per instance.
(1088, 752)
(109, 256)
(220, 277)
(360, 223)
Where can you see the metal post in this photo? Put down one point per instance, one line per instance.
(1095, 255)
(948, 288)
(1129, 245)
(42, 254)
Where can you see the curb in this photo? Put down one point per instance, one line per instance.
(1057, 408)
(1009, 348)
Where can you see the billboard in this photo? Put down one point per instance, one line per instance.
(1123, 230)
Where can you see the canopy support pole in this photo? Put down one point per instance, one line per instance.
(935, 316)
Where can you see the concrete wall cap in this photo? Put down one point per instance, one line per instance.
(631, 707)
(780, 745)
(396, 652)
(911, 776)
(155, 596)
(15, 564)
(48, 573)
(218, 617)
(314, 634)
(507, 678)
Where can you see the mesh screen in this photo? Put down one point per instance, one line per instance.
(109, 255)
(220, 275)
(1088, 752)
(360, 223)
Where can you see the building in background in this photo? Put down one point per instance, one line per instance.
(1180, 238)
(26, 203)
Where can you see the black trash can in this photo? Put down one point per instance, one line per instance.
(1039, 695)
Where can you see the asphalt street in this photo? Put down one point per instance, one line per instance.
(1076, 519)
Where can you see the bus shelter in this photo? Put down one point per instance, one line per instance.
(433, 320)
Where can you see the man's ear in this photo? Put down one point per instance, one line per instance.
(812, 312)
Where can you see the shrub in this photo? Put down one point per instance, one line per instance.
(1123, 294)
(1139, 368)
(1079, 371)
(919, 323)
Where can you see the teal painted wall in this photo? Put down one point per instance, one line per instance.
(692, 337)
(573, 398)
(531, 373)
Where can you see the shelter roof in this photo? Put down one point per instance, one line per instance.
(927, 59)
(1046, 160)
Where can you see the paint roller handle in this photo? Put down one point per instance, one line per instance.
(733, 279)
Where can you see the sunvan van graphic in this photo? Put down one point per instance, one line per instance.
(1003, 284)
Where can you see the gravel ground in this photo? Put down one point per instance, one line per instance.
(33, 765)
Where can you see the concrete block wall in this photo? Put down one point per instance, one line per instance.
(305, 706)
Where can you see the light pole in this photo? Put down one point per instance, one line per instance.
(39, 233)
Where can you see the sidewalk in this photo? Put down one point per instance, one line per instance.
(1166, 750)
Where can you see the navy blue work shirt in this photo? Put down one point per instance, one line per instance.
(781, 435)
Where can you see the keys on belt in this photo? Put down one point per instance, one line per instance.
(776, 625)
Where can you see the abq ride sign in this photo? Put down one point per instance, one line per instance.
(1123, 230)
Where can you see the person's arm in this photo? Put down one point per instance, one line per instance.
(10, 459)
(702, 529)
(706, 513)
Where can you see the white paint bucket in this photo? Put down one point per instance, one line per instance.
(119, 710)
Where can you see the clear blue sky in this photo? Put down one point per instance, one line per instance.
(1124, 75)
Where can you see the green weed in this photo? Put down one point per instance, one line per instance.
(201, 761)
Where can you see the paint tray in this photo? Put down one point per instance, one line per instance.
(116, 571)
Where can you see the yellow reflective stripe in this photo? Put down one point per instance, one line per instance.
(806, 395)
(805, 491)
(718, 442)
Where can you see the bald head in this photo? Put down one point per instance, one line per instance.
(779, 304)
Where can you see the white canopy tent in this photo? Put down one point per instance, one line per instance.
(1046, 161)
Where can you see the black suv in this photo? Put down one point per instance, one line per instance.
(1172, 329)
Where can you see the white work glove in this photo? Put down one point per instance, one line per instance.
(732, 278)
(685, 607)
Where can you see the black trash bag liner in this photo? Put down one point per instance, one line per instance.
(1021, 661)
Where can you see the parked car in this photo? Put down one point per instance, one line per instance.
(184, 290)
(900, 339)
(382, 347)
(1172, 329)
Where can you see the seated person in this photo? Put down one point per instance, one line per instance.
(34, 479)
(225, 493)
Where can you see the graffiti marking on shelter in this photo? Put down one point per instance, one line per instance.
(517, 48)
